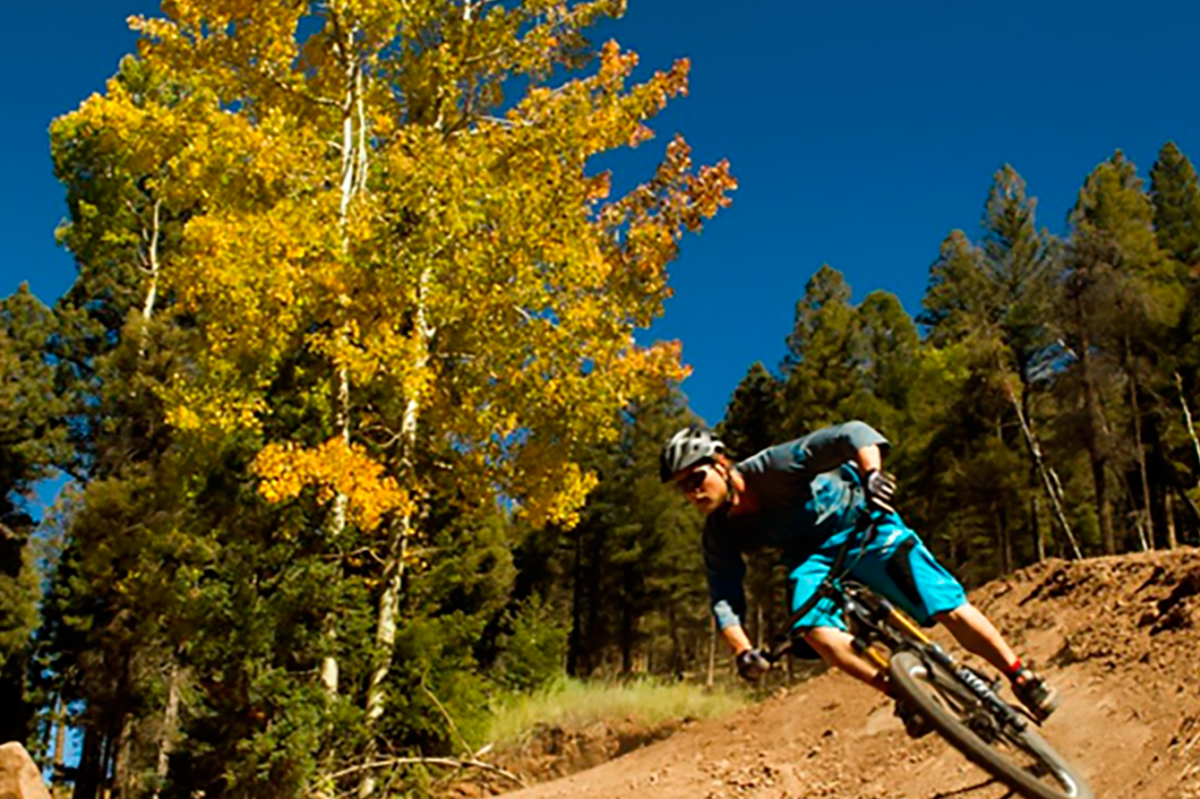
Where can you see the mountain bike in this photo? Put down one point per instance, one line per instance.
(958, 701)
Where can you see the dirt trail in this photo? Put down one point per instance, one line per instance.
(1118, 636)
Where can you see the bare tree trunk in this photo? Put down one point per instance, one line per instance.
(169, 726)
(1049, 479)
(152, 267)
(330, 673)
(91, 760)
(1038, 539)
(122, 757)
(1146, 519)
(355, 163)
(1139, 525)
(1096, 446)
(1187, 417)
(1169, 513)
(60, 735)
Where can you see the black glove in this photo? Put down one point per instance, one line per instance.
(752, 664)
(881, 491)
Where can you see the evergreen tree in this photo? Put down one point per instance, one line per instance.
(1174, 470)
(1123, 297)
(31, 440)
(753, 418)
(1175, 192)
(819, 370)
(887, 349)
(993, 300)
(634, 558)
(846, 361)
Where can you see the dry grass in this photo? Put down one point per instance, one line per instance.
(575, 704)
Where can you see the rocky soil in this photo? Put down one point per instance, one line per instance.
(1118, 636)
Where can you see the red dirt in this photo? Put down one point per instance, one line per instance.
(1116, 635)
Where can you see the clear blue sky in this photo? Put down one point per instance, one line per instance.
(861, 133)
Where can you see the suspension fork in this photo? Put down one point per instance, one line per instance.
(879, 618)
(979, 687)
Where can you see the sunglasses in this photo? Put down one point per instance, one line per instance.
(694, 479)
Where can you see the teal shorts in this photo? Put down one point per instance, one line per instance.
(895, 564)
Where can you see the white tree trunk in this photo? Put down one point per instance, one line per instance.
(170, 724)
(398, 542)
(353, 180)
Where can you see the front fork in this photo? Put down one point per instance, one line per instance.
(983, 692)
(887, 613)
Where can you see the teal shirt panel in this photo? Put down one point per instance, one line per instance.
(807, 492)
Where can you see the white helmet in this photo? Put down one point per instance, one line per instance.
(689, 446)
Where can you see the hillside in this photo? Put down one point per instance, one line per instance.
(1118, 635)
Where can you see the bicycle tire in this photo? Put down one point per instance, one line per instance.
(935, 695)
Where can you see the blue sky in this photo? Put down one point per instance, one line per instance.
(861, 134)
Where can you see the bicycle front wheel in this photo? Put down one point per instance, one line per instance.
(1022, 760)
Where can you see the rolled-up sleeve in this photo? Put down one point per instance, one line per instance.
(725, 569)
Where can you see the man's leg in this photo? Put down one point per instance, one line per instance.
(978, 636)
(834, 647)
(901, 568)
(823, 627)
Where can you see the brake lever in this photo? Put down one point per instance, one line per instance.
(779, 650)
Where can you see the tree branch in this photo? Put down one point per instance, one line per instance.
(448, 762)
(446, 715)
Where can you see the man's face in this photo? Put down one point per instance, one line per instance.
(703, 485)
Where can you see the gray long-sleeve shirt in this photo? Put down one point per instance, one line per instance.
(806, 493)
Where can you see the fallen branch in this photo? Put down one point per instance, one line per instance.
(447, 762)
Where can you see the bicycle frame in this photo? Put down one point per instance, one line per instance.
(873, 620)
(963, 706)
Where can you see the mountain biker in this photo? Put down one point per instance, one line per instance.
(803, 498)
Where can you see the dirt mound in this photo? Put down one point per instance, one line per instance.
(550, 752)
(1118, 635)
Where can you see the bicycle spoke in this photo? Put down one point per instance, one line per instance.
(1017, 756)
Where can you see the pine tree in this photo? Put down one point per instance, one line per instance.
(887, 349)
(753, 418)
(32, 438)
(993, 299)
(1175, 192)
(1123, 294)
(819, 370)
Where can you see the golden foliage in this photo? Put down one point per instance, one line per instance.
(352, 197)
(333, 468)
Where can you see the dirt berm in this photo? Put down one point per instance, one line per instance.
(1119, 636)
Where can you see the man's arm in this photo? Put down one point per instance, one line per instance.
(830, 447)
(737, 639)
(869, 458)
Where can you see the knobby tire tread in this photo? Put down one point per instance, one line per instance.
(964, 739)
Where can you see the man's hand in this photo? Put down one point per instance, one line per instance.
(881, 491)
(752, 664)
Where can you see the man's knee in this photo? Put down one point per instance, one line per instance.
(966, 613)
(828, 642)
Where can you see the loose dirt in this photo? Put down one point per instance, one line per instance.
(1118, 636)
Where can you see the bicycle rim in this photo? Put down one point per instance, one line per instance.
(1023, 760)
